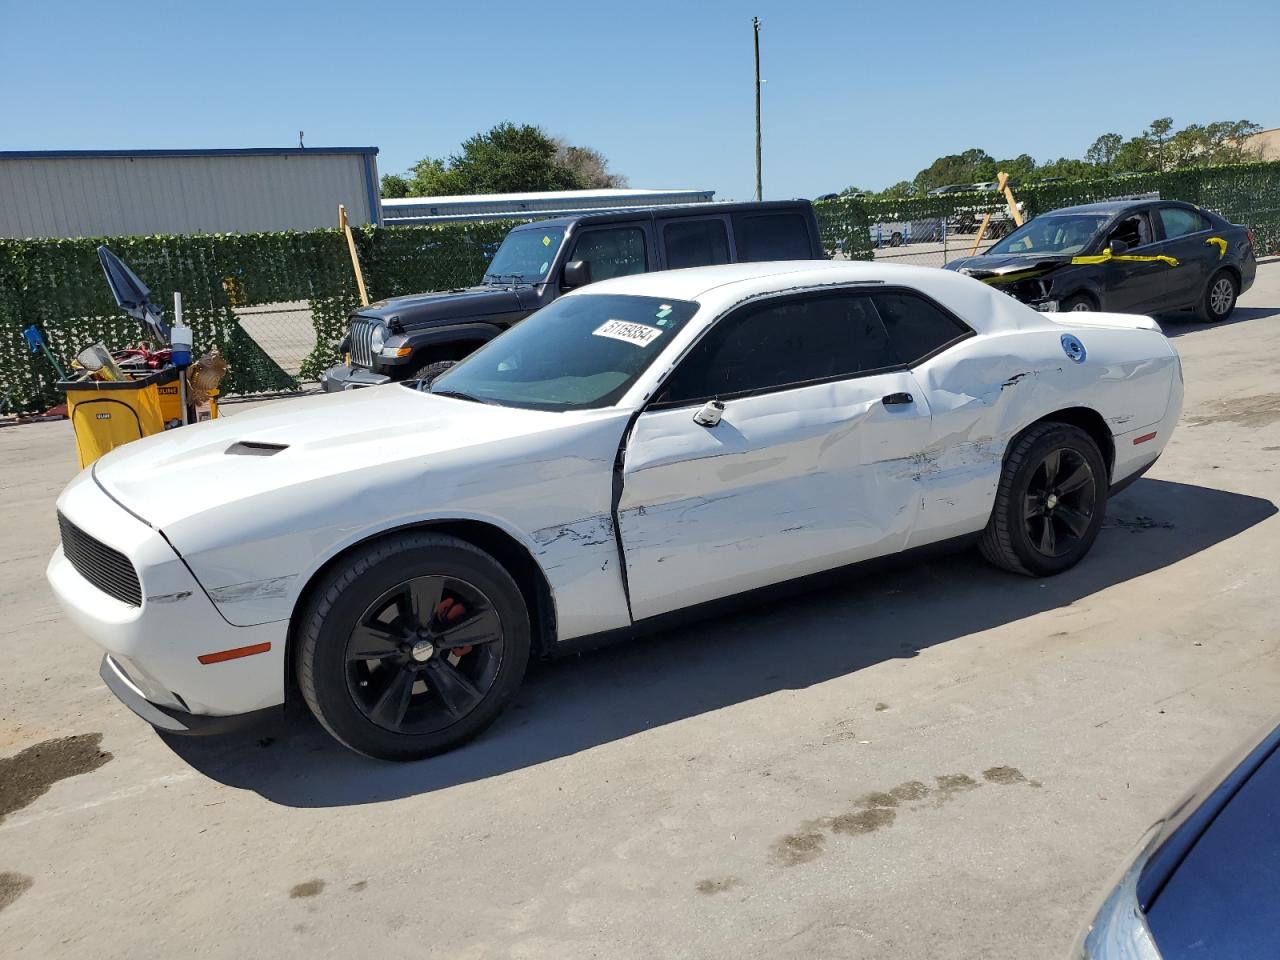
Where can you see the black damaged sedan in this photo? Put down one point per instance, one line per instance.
(1123, 256)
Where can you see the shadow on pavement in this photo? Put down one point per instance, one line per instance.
(1177, 325)
(575, 704)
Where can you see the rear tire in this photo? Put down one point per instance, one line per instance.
(1050, 501)
(386, 663)
(1219, 298)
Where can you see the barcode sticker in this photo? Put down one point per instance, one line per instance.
(636, 333)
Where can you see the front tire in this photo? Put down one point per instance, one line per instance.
(412, 646)
(1050, 501)
(1219, 298)
(1078, 303)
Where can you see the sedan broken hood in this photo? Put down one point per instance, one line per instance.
(1006, 268)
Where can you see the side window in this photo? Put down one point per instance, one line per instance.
(695, 243)
(771, 236)
(1178, 222)
(916, 327)
(615, 252)
(773, 345)
(1135, 230)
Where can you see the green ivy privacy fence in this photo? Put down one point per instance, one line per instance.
(58, 285)
(1244, 193)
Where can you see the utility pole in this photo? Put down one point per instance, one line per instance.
(755, 26)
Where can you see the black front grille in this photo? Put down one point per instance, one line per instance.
(362, 342)
(107, 569)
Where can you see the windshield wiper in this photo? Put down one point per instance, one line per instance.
(457, 395)
(504, 278)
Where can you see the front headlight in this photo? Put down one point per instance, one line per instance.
(377, 337)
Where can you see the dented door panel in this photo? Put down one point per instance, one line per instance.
(787, 484)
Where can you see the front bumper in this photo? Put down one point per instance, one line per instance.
(156, 645)
(343, 377)
(169, 719)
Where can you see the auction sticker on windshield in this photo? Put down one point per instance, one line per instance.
(636, 333)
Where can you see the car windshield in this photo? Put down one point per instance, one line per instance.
(580, 352)
(1067, 233)
(525, 255)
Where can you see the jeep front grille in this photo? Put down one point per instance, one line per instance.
(362, 342)
(107, 569)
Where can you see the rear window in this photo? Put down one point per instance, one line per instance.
(695, 243)
(772, 236)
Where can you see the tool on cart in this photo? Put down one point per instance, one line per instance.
(97, 359)
(180, 342)
(35, 340)
(132, 295)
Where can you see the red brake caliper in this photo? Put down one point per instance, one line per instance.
(449, 610)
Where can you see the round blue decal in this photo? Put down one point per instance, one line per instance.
(1073, 348)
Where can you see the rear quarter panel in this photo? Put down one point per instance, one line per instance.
(986, 390)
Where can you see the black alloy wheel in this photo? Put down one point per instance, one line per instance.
(411, 645)
(424, 654)
(1050, 501)
(1059, 502)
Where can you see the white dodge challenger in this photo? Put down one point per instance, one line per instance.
(645, 446)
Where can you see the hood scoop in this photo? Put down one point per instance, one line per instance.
(254, 448)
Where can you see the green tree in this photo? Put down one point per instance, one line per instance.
(394, 186)
(899, 191)
(971, 165)
(509, 158)
(1104, 150)
(588, 165)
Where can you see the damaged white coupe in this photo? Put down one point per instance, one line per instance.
(642, 447)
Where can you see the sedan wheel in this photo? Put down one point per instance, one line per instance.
(1049, 503)
(412, 645)
(1219, 298)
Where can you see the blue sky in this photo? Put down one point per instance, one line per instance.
(857, 93)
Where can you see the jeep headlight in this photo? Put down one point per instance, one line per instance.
(377, 337)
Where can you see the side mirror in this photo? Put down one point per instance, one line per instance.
(577, 273)
(1118, 247)
(710, 414)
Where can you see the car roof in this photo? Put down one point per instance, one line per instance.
(1116, 206)
(672, 209)
(720, 287)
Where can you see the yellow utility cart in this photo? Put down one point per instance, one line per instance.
(109, 413)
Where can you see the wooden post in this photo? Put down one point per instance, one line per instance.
(1002, 184)
(355, 258)
(986, 222)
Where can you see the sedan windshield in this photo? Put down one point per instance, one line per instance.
(525, 255)
(580, 352)
(1062, 234)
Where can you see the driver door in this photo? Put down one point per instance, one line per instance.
(1131, 286)
(809, 467)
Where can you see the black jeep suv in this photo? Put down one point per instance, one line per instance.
(396, 339)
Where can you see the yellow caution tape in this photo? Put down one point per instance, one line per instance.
(1107, 255)
(1015, 276)
(1221, 244)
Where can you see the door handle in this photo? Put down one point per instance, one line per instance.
(894, 399)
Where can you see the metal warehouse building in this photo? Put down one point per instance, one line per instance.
(111, 193)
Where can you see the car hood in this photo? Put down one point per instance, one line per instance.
(988, 266)
(457, 304)
(291, 448)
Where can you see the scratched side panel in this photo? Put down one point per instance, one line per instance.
(786, 485)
